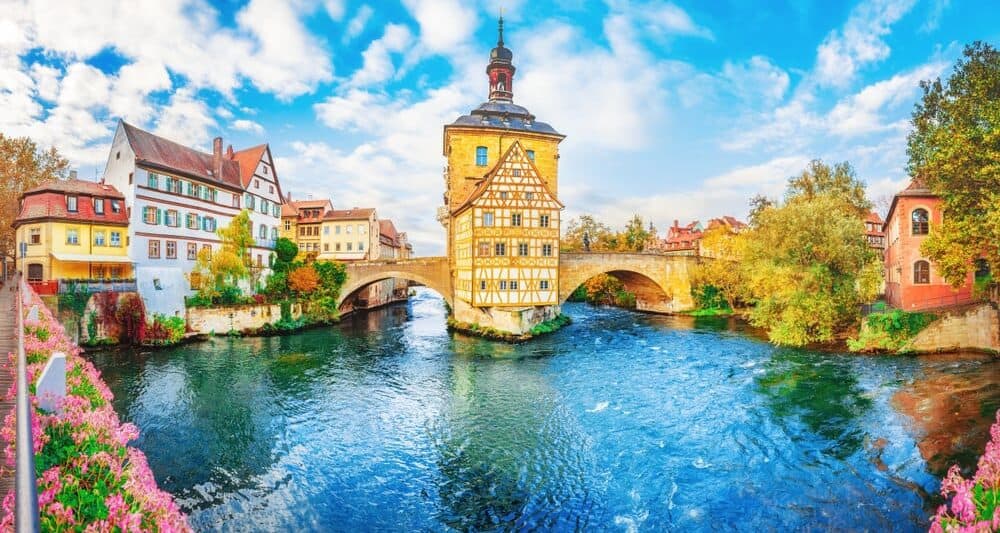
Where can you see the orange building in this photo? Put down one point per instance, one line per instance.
(912, 281)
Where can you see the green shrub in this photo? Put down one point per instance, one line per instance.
(550, 326)
(198, 301)
(889, 331)
(230, 295)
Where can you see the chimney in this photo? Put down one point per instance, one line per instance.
(217, 157)
(229, 152)
(72, 174)
(288, 197)
(677, 223)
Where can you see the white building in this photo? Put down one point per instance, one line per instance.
(177, 197)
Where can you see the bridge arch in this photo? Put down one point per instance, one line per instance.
(430, 272)
(661, 283)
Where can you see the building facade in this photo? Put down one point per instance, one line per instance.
(350, 235)
(261, 197)
(176, 198)
(874, 234)
(912, 281)
(72, 230)
(302, 222)
(501, 208)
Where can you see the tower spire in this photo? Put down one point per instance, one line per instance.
(500, 69)
(500, 29)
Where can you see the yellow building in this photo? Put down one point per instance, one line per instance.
(349, 235)
(302, 221)
(502, 210)
(73, 230)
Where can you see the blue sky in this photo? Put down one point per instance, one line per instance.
(672, 110)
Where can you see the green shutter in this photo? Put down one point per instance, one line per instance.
(159, 216)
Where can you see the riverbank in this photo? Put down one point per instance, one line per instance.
(545, 328)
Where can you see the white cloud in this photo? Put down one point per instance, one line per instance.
(378, 66)
(444, 24)
(938, 7)
(668, 19)
(185, 119)
(756, 79)
(358, 22)
(859, 42)
(862, 113)
(334, 8)
(247, 125)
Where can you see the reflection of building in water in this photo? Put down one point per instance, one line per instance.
(951, 412)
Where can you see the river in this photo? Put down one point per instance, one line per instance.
(621, 421)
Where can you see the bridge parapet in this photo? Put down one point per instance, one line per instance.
(661, 283)
(430, 271)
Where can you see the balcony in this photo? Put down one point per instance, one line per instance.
(93, 285)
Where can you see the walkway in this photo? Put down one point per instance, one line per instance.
(7, 345)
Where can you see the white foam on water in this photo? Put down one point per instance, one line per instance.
(701, 464)
(599, 407)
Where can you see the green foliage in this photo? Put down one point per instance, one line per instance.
(165, 331)
(230, 295)
(710, 298)
(550, 326)
(92, 326)
(889, 331)
(633, 238)
(39, 331)
(286, 310)
(953, 148)
(74, 299)
(982, 285)
(285, 251)
(198, 300)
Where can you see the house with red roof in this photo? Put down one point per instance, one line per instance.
(72, 231)
(177, 197)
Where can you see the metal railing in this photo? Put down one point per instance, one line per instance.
(92, 286)
(25, 486)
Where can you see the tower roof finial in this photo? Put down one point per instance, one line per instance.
(500, 28)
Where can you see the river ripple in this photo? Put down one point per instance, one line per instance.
(621, 421)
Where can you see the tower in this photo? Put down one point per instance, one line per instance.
(501, 207)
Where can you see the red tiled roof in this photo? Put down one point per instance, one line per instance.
(49, 202)
(873, 218)
(387, 228)
(248, 160)
(288, 210)
(153, 150)
(349, 214)
(77, 186)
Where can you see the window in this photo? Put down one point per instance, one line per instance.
(302, 230)
(115, 206)
(149, 215)
(276, 210)
(326, 247)
(338, 246)
(982, 268)
(34, 272)
(116, 272)
(531, 155)
(270, 188)
(921, 221)
(503, 284)
(488, 219)
(480, 156)
(116, 238)
(263, 232)
(207, 247)
(336, 229)
(515, 219)
(236, 201)
(482, 285)
(516, 172)
(260, 260)
(173, 218)
(543, 221)
(72, 236)
(361, 246)
(35, 236)
(361, 229)
(484, 249)
(130, 177)
(522, 249)
(921, 272)
(98, 238)
(171, 249)
(326, 230)
(503, 195)
(99, 206)
(154, 249)
(194, 190)
(348, 229)
(274, 233)
(157, 285)
(71, 204)
(97, 272)
(118, 155)
(192, 251)
(256, 184)
(288, 225)
(546, 250)
(529, 195)
(192, 221)
(544, 284)
(265, 171)
(513, 284)
(500, 248)
(349, 246)
(208, 224)
(153, 181)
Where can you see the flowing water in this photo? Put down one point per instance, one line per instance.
(621, 421)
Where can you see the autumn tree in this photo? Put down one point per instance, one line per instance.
(303, 280)
(954, 148)
(838, 180)
(23, 166)
(636, 237)
(216, 274)
(600, 235)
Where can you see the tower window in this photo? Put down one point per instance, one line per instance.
(921, 272)
(531, 155)
(921, 222)
(515, 219)
(481, 156)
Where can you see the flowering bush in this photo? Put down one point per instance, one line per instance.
(89, 478)
(975, 503)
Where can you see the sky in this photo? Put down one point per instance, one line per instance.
(671, 110)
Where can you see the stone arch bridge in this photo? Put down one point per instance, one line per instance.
(661, 283)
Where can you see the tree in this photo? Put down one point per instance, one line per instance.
(839, 180)
(303, 280)
(954, 148)
(285, 251)
(723, 272)
(635, 237)
(600, 235)
(22, 166)
(216, 274)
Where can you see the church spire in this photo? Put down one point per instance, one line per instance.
(501, 69)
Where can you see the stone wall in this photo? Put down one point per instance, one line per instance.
(976, 328)
(221, 320)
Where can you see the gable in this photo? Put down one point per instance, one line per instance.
(513, 183)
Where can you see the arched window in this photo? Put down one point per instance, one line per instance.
(480, 156)
(34, 272)
(921, 273)
(921, 221)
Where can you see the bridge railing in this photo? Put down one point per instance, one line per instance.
(25, 486)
